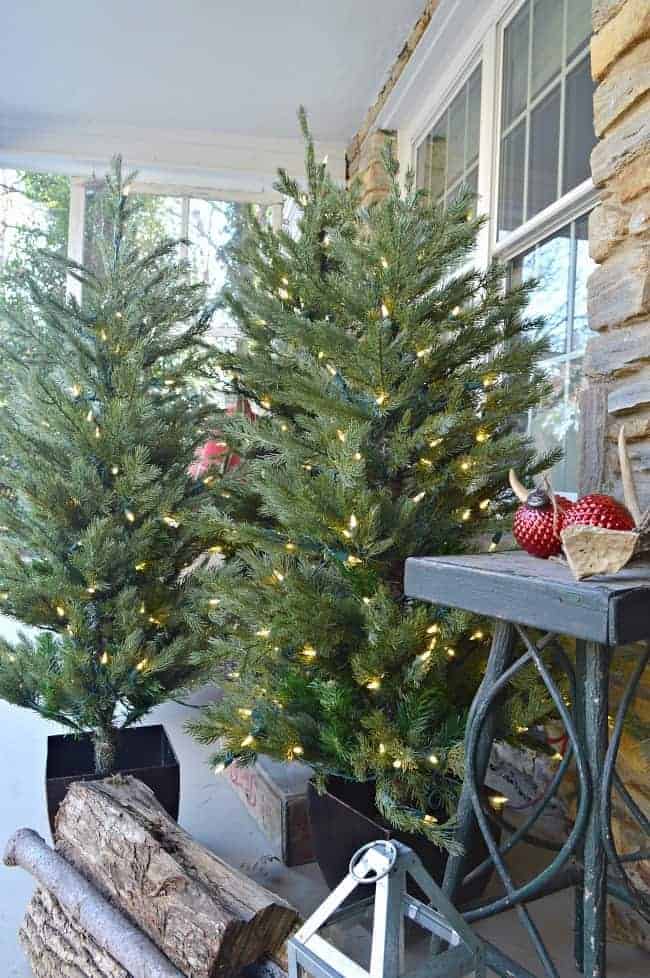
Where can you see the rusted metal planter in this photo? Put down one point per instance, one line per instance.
(344, 818)
(145, 753)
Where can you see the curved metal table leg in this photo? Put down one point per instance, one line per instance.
(590, 840)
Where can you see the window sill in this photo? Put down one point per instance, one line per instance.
(552, 218)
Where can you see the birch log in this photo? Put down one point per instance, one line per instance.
(83, 926)
(205, 916)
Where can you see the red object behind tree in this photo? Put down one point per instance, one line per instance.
(216, 452)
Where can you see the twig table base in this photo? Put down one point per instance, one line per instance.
(534, 602)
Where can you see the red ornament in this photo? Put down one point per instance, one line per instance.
(596, 509)
(214, 452)
(537, 523)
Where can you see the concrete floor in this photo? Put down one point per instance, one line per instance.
(212, 813)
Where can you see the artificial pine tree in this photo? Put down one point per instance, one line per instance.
(99, 430)
(391, 380)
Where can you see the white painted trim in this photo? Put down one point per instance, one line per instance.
(488, 137)
(414, 112)
(219, 165)
(579, 200)
(414, 100)
(76, 220)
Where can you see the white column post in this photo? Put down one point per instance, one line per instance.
(76, 227)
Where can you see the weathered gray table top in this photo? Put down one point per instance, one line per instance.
(541, 593)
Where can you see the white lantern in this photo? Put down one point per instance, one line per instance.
(386, 865)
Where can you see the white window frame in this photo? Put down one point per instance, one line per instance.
(485, 44)
(571, 205)
(77, 213)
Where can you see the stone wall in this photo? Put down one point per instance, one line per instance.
(370, 169)
(617, 365)
(364, 151)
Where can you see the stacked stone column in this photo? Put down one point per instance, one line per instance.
(617, 365)
(368, 167)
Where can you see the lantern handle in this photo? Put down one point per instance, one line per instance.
(390, 852)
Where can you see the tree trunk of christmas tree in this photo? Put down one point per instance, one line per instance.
(105, 744)
(208, 918)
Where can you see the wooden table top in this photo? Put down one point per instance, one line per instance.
(541, 593)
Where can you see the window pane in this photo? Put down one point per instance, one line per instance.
(584, 267)
(579, 138)
(434, 160)
(451, 149)
(471, 180)
(511, 184)
(548, 16)
(578, 25)
(572, 423)
(211, 226)
(549, 262)
(422, 167)
(34, 213)
(473, 116)
(160, 217)
(548, 425)
(456, 154)
(515, 65)
(208, 233)
(543, 153)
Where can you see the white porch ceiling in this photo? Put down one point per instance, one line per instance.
(200, 71)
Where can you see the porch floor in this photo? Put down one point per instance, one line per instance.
(212, 813)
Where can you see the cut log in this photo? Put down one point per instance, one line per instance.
(58, 947)
(205, 916)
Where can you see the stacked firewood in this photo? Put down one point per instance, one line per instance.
(129, 894)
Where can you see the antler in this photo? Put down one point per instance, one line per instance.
(517, 487)
(629, 489)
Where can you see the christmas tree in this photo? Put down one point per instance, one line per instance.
(390, 380)
(100, 427)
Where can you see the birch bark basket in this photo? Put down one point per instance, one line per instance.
(209, 919)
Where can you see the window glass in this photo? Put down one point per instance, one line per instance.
(547, 94)
(211, 224)
(542, 155)
(579, 136)
(511, 181)
(446, 159)
(547, 43)
(578, 26)
(515, 65)
(549, 263)
(34, 214)
(561, 265)
(208, 226)
(584, 267)
(473, 117)
(160, 217)
(456, 147)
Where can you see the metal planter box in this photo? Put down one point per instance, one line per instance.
(144, 752)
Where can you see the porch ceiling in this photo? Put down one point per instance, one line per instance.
(238, 67)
